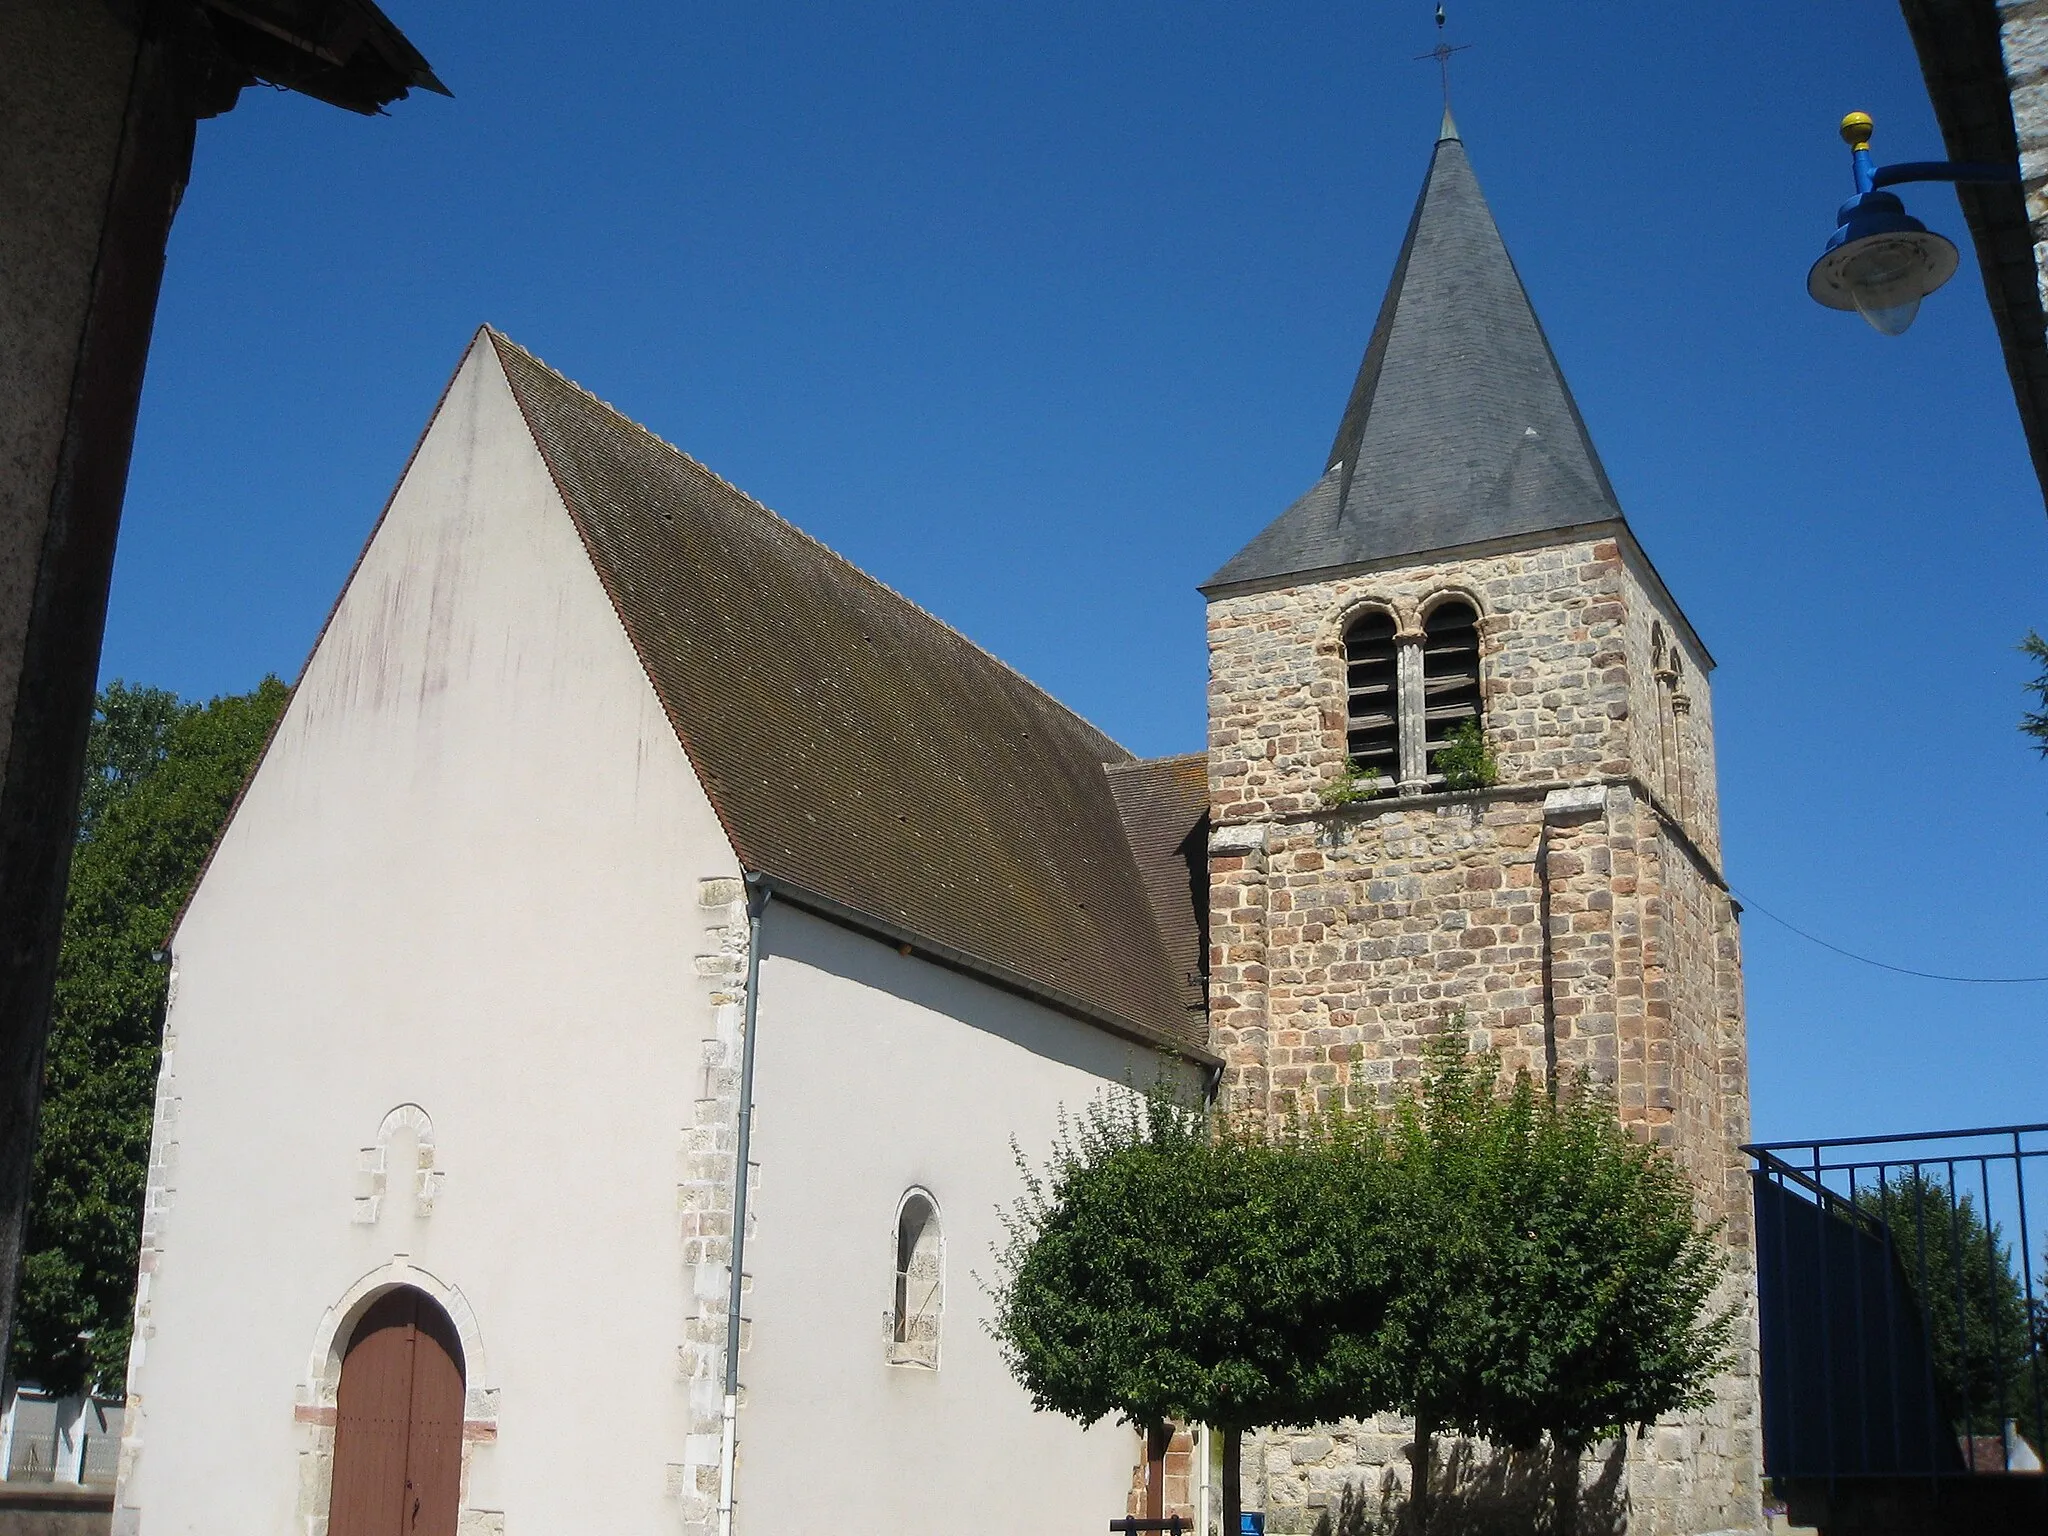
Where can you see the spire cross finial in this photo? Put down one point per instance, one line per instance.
(1442, 54)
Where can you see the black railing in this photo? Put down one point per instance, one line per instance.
(1901, 1304)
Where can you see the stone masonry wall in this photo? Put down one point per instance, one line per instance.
(2023, 30)
(1366, 930)
(1573, 916)
(710, 1142)
(1671, 715)
(1555, 671)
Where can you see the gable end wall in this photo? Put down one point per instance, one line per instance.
(474, 892)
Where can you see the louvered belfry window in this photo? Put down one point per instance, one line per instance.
(1372, 689)
(1450, 672)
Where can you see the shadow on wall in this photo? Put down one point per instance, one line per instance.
(800, 938)
(1481, 1492)
(44, 1510)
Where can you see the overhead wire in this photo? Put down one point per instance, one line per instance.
(1882, 965)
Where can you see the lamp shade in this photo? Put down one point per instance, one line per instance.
(1880, 262)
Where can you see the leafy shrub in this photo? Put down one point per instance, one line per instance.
(1352, 784)
(1466, 759)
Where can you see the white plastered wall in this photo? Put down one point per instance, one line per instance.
(878, 1072)
(464, 879)
(442, 1015)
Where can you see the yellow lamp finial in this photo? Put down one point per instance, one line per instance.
(1856, 130)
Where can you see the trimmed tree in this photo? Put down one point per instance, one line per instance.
(1162, 1268)
(160, 776)
(1602, 1282)
(1429, 1355)
(1551, 1278)
(1489, 1261)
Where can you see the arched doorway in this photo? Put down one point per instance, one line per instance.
(398, 1422)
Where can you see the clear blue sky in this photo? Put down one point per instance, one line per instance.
(1039, 312)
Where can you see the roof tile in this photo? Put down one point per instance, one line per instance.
(1460, 428)
(857, 750)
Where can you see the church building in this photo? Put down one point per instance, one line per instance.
(596, 1044)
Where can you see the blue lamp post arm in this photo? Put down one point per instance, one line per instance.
(1932, 170)
(1881, 261)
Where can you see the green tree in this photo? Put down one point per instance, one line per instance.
(1550, 1280)
(1415, 1196)
(1972, 1301)
(2035, 721)
(160, 777)
(1487, 1260)
(1603, 1282)
(1164, 1268)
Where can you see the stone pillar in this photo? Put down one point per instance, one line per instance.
(1734, 1066)
(1412, 712)
(1238, 900)
(1575, 868)
(705, 1202)
(95, 144)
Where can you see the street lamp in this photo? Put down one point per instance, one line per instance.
(1881, 261)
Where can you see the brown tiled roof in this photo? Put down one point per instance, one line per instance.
(1164, 802)
(869, 762)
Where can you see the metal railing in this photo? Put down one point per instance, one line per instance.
(1900, 1304)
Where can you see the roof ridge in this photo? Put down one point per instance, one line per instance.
(1153, 762)
(500, 338)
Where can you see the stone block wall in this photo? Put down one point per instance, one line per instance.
(1671, 714)
(1572, 917)
(2023, 31)
(1570, 928)
(1180, 1477)
(1575, 687)
(1681, 1478)
(1553, 655)
(710, 1142)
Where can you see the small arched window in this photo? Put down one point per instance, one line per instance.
(920, 1282)
(1372, 711)
(1450, 672)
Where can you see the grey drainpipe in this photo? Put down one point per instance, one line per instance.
(757, 903)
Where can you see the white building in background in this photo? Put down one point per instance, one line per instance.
(58, 1440)
(595, 761)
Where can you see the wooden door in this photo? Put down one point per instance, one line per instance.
(398, 1423)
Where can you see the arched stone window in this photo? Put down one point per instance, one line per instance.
(1664, 672)
(1372, 713)
(920, 1282)
(1450, 672)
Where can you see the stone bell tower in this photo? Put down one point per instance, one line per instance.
(1463, 559)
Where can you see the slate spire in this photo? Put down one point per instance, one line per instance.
(1460, 428)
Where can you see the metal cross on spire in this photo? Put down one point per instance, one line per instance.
(1442, 54)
